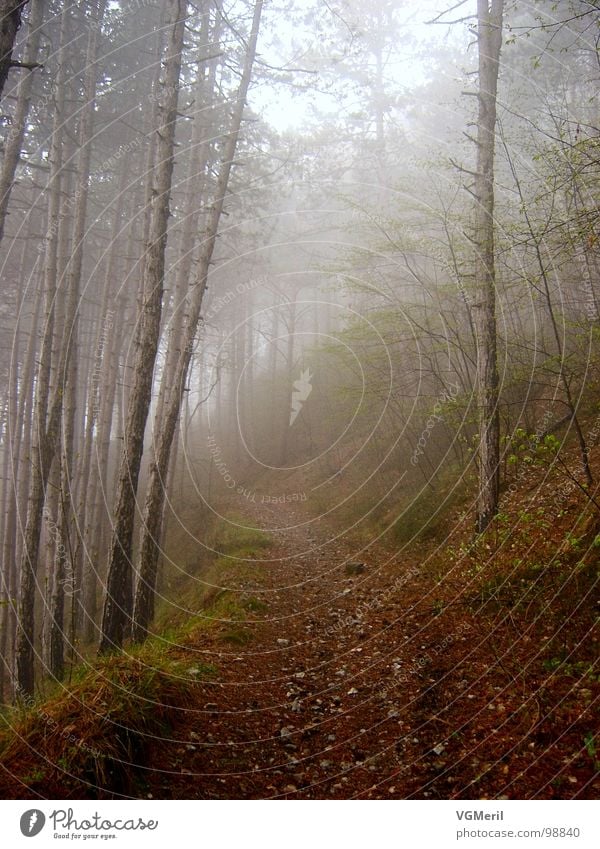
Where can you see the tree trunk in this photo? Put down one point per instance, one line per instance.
(68, 376)
(10, 461)
(14, 141)
(195, 185)
(155, 498)
(489, 17)
(101, 357)
(10, 21)
(118, 600)
(42, 448)
(15, 446)
(102, 487)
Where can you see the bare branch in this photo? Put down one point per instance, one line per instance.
(438, 17)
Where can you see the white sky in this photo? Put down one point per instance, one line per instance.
(406, 68)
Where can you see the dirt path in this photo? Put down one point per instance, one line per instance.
(340, 673)
(329, 690)
(379, 680)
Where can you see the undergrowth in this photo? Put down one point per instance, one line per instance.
(91, 732)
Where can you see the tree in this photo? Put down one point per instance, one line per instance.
(15, 138)
(10, 20)
(45, 424)
(69, 399)
(489, 39)
(118, 601)
(154, 507)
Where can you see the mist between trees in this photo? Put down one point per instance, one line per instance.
(208, 308)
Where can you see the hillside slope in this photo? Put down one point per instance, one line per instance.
(458, 668)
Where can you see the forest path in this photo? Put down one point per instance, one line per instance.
(327, 687)
(322, 679)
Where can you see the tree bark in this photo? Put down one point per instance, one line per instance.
(195, 185)
(14, 142)
(98, 388)
(17, 432)
(10, 461)
(156, 491)
(119, 596)
(42, 446)
(102, 488)
(10, 21)
(489, 36)
(64, 552)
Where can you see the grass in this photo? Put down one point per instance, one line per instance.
(100, 723)
(114, 707)
(237, 636)
(186, 595)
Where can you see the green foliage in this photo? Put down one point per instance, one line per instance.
(573, 542)
(237, 636)
(423, 518)
(34, 776)
(576, 669)
(531, 449)
(235, 540)
(438, 606)
(189, 596)
(589, 741)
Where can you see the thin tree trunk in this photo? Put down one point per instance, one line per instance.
(200, 151)
(101, 358)
(14, 141)
(583, 447)
(10, 21)
(10, 443)
(69, 356)
(155, 497)
(42, 447)
(101, 489)
(48, 545)
(489, 17)
(119, 596)
(23, 472)
(20, 389)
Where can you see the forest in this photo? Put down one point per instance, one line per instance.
(299, 399)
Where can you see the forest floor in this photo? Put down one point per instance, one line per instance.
(329, 674)
(371, 679)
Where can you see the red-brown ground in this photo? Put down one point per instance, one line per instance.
(399, 678)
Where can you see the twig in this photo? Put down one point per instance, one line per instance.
(437, 18)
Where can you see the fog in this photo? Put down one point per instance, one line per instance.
(322, 271)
